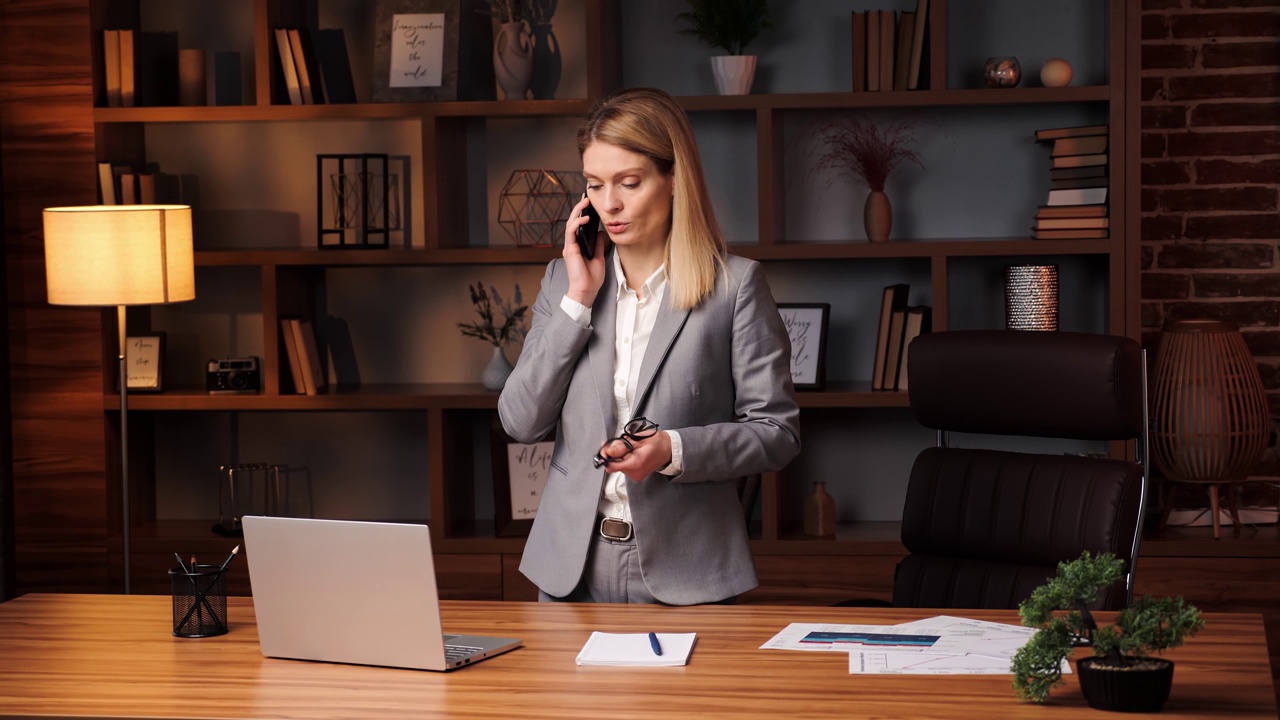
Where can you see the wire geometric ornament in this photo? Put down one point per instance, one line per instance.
(1031, 297)
(535, 204)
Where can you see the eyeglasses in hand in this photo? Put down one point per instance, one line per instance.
(636, 429)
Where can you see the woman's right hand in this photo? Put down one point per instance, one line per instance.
(585, 276)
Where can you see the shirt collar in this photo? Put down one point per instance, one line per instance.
(652, 286)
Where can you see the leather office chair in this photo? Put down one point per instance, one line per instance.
(985, 527)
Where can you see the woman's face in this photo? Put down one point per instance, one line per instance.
(632, 197)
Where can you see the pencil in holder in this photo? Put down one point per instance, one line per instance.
(199, 601)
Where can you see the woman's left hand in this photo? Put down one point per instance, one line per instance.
(648, 456)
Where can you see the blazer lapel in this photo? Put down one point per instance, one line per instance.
(600, 348)
(665, 330)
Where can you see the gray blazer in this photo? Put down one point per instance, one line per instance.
(719, 374)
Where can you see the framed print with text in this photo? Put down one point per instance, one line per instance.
(144, 362)
(432, 50)
(519, 475)
(807, 329)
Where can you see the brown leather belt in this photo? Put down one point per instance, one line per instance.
(615, 529)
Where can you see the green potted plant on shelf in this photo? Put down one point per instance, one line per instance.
(498, 332)
(1121, 675)
(729, 25)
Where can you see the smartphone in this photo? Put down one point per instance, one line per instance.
(587, 233)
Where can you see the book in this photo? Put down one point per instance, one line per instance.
(107, 184)
(893, 298)
(304, 336)
(1067, 223)
(1073, 234)
(111, 66)
(873, 50)
(1077, 131)
(917, 44)
(1087, 171)
(335, 66)
(859, 44)
(127, 77)
(285, 53)
(300, 66)
(919, 322)
(1077, 183)
(1071, 161)
(902, 57)
(886, 49)
(897, 324)
(147, 188)
(635, 650)
(1077, 196)
(227, 86)
(156, 67)
(1061, 211)
(1086, 145)
(291, 353)
(128, 189)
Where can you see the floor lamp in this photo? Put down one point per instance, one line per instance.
(121, 255)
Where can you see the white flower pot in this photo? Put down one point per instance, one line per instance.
(734, 73)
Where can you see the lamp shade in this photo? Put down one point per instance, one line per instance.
(119, 255)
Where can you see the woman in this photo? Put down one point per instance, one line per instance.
(667, 327)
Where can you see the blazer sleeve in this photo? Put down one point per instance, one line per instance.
(534, 394)
(766, 433)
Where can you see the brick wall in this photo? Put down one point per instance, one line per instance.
(1211, 174)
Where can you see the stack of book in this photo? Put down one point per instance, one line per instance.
(1077, 203)
(889, 49)
(899, 325)
(314, 72)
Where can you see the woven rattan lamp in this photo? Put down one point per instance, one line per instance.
(1209, 414)
(121, 255)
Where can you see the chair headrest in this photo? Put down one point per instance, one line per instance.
(1039, 384)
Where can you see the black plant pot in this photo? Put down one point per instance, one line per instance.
(1125, 689)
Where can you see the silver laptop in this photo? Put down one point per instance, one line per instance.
(353, 592)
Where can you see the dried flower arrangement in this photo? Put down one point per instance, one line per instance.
(512, 326)
(856, 146)
(508, 11)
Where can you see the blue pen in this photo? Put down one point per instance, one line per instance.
(653, 642)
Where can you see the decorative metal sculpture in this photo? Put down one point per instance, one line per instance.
(535, 204)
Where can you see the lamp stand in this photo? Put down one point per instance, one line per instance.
(124, 440)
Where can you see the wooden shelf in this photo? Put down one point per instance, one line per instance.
(901, 98)
(933, 247)
(376, 258)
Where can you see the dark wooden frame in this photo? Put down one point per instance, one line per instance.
(820, 363)
(160, 337)
(504, 525)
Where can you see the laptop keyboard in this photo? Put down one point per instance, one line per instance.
(453, 653)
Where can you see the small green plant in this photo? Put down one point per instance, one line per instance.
(1059, 608)
(727, 24)
(489, 328)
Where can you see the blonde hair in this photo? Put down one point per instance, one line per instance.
(648, 122)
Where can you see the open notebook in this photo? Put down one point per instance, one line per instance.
(353, 592)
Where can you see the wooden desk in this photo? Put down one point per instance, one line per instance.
(113, 656)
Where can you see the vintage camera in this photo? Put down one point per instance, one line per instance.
(234, 375)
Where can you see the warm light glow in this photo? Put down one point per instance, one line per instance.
(119, 254)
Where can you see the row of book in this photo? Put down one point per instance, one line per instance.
(304, 356)
(899, 325)
(141, 68)
(1077, 204)
(889, 48)
(122, 184)
(315, 71)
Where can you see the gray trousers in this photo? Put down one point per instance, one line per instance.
(612, 575)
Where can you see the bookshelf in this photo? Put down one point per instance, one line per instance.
(267, 280)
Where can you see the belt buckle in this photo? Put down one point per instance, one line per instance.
(615, 529)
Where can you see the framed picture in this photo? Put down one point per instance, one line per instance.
(144, 362)
(519, 475)
(432, 50)
(807, 328)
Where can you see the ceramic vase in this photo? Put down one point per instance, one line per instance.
(734, 73)
(546, 62)
(820, 512)
(877, 215)
(497, 371)
(513, 60)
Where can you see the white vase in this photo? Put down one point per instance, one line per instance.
(513, 60)
(734, 73)
(497, 371)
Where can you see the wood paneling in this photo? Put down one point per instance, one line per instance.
(46, 99)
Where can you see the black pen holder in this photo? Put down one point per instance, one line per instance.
(199, 601)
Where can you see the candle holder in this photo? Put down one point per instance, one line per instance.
(1031, 297)
(355, 195)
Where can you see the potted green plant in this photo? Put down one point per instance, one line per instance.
(1122, 675)
(730, 25)
(494, 330)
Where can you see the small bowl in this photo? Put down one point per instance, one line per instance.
(1001, 72)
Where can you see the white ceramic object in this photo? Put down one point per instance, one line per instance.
(513, 60)
(734, 73)
(497, 371)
